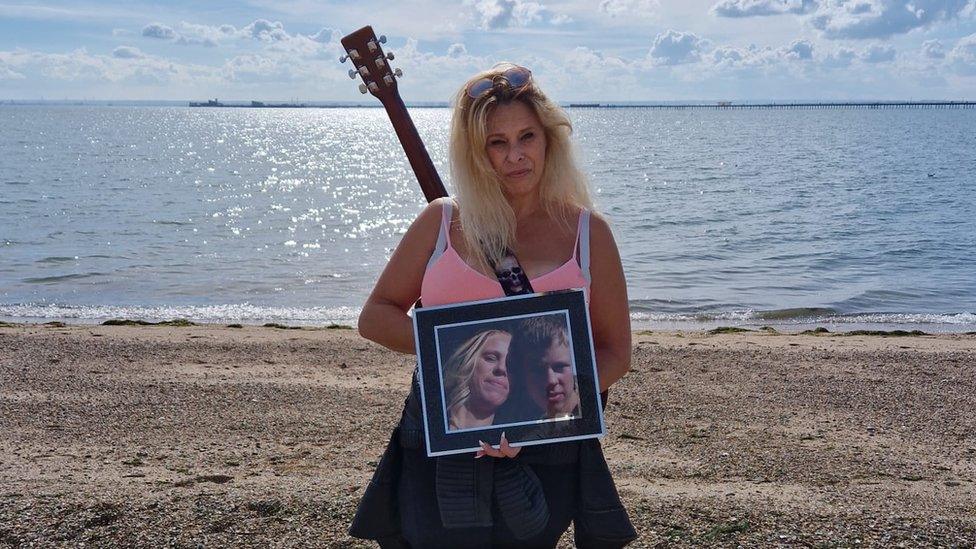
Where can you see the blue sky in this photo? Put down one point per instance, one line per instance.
(597, 50)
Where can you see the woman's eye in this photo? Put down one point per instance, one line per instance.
(529, 135)
(495, 143)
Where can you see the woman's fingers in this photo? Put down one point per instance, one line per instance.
(504, 450)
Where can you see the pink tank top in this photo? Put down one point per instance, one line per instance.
(448, 279)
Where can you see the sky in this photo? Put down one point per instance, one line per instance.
(578, 50)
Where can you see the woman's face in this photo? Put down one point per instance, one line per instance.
(552, 383)
(489, 381)
(516, 147)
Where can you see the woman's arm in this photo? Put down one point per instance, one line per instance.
(609, 308)
(384, 317)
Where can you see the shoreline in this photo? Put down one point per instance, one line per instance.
(157, 435)
(853, 328)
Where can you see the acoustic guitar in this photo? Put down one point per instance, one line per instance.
(365, 51)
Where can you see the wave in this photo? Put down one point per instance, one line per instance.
(56, 259)
(240, 312)
(811, 315)
(60, 278)
(257, 314)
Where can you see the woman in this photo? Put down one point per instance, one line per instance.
(476, 380)
(518, 188)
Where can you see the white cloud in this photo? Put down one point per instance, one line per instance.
(854, 19)
(800, 49)
(630, 8)
(882, 18)
(252, 68)
(79, 66)
(6, 73)
(840, 58)
(127, 52)
(159, 30)
(672, 47)
(878, 53)
(933, 49)
(456, 50)
(266, 31)
(963, 56)
(751, 8)
(501, 14)
(326, 35)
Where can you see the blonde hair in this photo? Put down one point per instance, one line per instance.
(460, 369)
(487, 219)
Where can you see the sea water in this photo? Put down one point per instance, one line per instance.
(788, 218)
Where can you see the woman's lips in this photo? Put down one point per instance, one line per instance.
(519, 173)
(555, 398)
(499, 382)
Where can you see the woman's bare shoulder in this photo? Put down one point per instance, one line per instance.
(600, 225)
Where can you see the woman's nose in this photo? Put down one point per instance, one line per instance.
(516, 154)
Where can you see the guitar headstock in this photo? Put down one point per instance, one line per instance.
(372, 65)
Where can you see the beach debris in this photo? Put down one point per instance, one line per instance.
(727, 330)
(280, 326)
(816, 331)
(886, 333)
(180, 322)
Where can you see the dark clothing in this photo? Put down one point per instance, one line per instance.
(458, 501)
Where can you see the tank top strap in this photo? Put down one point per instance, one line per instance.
(443, 235)
(583, 238)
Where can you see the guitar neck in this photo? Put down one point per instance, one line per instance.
(413, 146)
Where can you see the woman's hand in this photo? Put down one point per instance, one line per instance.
(504, 449)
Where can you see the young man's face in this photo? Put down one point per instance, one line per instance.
(552, 383)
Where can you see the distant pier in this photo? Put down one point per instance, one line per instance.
(812, 105)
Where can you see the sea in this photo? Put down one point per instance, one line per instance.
(790, 218)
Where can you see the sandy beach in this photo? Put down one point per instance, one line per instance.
(218, 437)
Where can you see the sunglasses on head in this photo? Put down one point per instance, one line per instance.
(514, 78)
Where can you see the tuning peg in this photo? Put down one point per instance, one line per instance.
(379, 62)
(364, 71)
(342, 58)
(352, 73)
(362, 88)
(373, 87)
(388, 79)
(371, 45)
(382, 39)
(389, 55)
(398, 73)
(354, 54)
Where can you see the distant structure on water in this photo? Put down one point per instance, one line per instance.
(254, 104)
(791, 105)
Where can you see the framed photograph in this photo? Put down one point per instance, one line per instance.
(522, 365)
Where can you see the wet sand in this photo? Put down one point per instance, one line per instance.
(157, 435)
